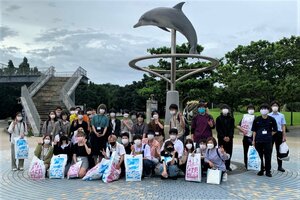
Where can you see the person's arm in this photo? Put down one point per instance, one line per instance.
(193, 127)
(74, 158)
(232, 128)
(173, 158)
(145, 131)
(274, 126)
(49, 156)
(87, 147)
(211, 122)
(283, 128)
(11, 127)
(38, 150)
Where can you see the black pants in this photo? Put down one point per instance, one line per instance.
(247, 141)
(264, 150)
(277, 139)
(228, 148)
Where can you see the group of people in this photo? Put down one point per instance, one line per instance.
(93, 135)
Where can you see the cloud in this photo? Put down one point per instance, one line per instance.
(13, 8)
(6, 32)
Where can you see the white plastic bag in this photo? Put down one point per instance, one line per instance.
(57, 166)
(214, 176)
(21, 148)
(134, 167)
(74, 170)
(193, 168)
(254, 161)
(283, 148)
(111, 173)
(37, 169)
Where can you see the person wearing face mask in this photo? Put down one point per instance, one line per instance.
(133, 116)
(126, 124)
(154, 146)
(177, 121)
(244, 127)
(114, 146)
(202, 123)
(214, 156)
(264, 127)
(17, 128)
(79, 123)
(114, 124)
(201, 148)
(81, 152)
(73, 114)
(170, 161)
(44, 151)
(62, 127)
(144, 149)
(178, 145)
(280, 135)
(125, 141)
(63, 146)
(158, 127)
(225, 129)
(188, 149)
(140, 128)
(49, 125)
(100, 134)
(58, 111)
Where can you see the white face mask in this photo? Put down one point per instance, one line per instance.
(72, 112)
(172, 112)
(155, 116)
(210, 146)
(150, 137)
(101, 111)
(202, 146)
(80, 116)
(275, 108)
(250, 112)
(264, 111)
(52, 116)
(126, 115)
(173, 137)
(112, 114)
(19, 118)
(138, 142)
(189, 146)
(46, 141)
(124, 141)
(225, 111)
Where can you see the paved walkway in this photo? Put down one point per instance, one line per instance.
(241, 184)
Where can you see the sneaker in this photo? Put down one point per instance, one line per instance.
(225, 176)
(14, 169)
(21, 169)
(268, 174)
(281, 169)
(260, 173)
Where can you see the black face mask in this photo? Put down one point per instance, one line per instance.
(170, 149)
(112, 144)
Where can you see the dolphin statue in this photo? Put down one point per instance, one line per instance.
(172, 18)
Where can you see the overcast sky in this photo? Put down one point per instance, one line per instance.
(99, 35)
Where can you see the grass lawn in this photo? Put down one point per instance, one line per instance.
(238, 116)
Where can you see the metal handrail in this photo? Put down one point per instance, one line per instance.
(70, 86)
(30, 110)
(42, 80)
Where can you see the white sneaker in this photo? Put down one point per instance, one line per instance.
(225, 176)
(21, 168)
(14, 169)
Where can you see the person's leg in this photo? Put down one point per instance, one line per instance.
(21, 164)
(246, 148)
(147, 167)
(228, 148)
(13, 158)
(260, 150)
(173, 171)
(82, 172)
(278, 142)
(268, 157)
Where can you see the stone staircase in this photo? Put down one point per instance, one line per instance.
(48, 97)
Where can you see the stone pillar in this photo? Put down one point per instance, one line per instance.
(172, 98)
(151, 106)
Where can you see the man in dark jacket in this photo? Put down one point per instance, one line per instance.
(225, 130)
(114, 124)
(264, 127)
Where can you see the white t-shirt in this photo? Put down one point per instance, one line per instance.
(178, 146)
(145, 148)
(119, 149)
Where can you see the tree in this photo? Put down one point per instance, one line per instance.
(10, 70)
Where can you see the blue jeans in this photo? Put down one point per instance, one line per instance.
(172, 170)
